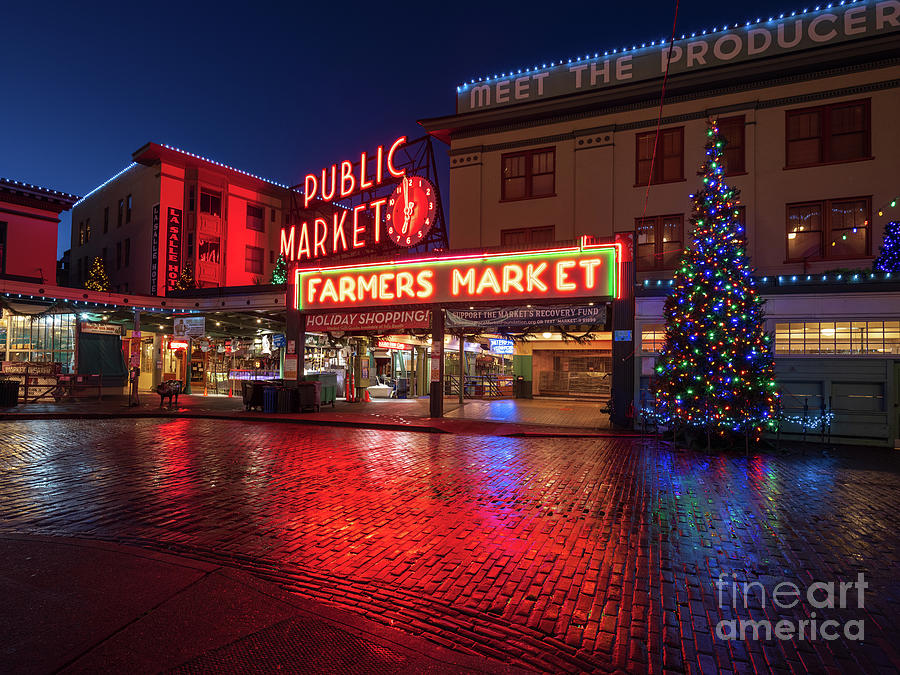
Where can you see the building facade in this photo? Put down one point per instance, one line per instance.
(807, 104)
(29, 217)
(171, 209)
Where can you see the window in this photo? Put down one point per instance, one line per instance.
(732, 128)
(271, 257)
(121, 212)
(659, 242)
(190, 246)
(653, 337)
(875, 338)
(272, 216)
(103, 256)
(118, 255)
(191, 198)
(211, 202)
(836, 228)
(528, 236)
(105, 220)
(833, 133)
(669, 163)
(81, 233)
(253, 261)
(529, 175)
(256, 217)
(128, 205)
(87, 230)
(127, 252)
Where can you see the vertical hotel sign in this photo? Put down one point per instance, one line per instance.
(173, 247)
(154, 251)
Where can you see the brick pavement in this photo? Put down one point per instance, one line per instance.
(559, 555)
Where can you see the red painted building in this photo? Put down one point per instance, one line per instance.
(29, 216)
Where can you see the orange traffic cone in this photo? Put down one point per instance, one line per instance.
(368, 398)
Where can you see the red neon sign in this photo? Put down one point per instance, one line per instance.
(173, 247)
(178, 344)
(390, 344)
(348, 229)
(586, 271)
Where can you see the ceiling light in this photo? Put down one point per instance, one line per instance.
(547, 336)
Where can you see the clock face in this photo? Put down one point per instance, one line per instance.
(411, 210)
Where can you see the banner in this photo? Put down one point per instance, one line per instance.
(380, 320)
(522, 317)
(193, 326)
(101, 328)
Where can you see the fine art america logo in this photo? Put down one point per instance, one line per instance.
(818, 596)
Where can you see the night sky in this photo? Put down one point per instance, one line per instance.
(276, 90)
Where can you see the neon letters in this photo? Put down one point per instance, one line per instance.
(345, 229)
(585, 271)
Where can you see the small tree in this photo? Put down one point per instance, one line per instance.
(279, 273)
(715, 371)
(97, 279)
(889, 258)
(186, 279)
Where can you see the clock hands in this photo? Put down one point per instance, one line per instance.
(407, 207)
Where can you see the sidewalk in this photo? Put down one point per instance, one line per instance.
(505, 417)
(78, 606)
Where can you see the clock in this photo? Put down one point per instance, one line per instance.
(411, 210)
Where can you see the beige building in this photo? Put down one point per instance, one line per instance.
(808, 105)
(170, 209)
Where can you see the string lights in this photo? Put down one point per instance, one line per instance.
(715, 370)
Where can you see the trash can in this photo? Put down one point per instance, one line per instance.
(9, 393)
(285, 396)
(270, 399)
(402, 387)
(521, 387)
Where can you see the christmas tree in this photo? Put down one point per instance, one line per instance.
(715, 371)
(97, 279)
(279, 273)
(889, 259)
(186, 279)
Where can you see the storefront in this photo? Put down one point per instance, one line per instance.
(535, 304)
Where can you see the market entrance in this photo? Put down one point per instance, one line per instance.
(563, 304)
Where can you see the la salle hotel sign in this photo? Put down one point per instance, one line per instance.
(836, 23)
(584, 271)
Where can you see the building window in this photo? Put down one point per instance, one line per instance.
(105, 220)
(253, 260)
(272, 216)
(528, 236)
(211, 202)
(190, 245)
(529, 175)
(118, 255)
(103, 256)
(732, 129)
(669, 163)
(121, 212)
(191, 198)
(87, 230)
(127, 252)
(256, 218)
(833, 133)
(873, 338)
(128, 205)
(835, 228)
(81, 233)
(653, 337)
(660, 241)
(271, 257)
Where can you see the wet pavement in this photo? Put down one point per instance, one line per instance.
(552, 554)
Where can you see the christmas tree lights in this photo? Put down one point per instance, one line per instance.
(279, 273)
(889, 259)
(185, 280)
(715, 371)
(97, 279)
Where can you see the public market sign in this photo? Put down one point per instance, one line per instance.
(828, 26)
(585, 271)
(405, 216)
